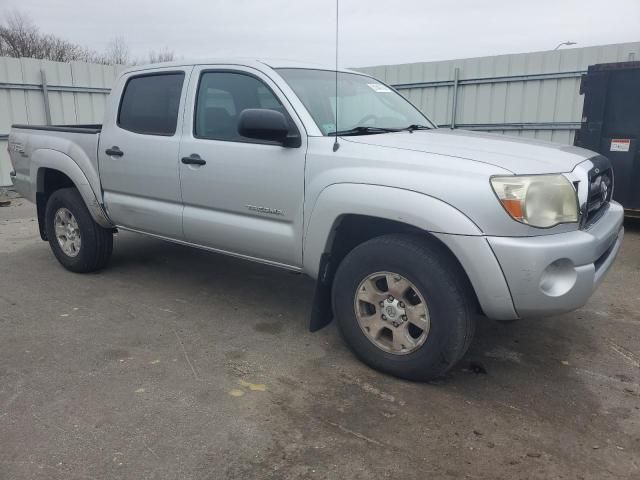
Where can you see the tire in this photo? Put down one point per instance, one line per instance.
(435, 279)
(96, 243)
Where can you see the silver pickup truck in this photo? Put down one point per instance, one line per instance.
(410, 231)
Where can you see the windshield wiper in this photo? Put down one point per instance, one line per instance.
(414, 127)
(362, 130)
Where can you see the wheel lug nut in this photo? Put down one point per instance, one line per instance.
(401, 304)
(384, 317)
(404, 318)
(390, 298)
(381, 304)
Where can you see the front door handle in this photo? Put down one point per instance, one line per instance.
(114, 151)
(193, 159)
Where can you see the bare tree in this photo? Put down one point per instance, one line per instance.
(164, 55)
(118, 52)
(20, 37)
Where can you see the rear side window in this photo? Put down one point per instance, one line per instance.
(150, 104)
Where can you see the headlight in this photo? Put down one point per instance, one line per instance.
(537, 200)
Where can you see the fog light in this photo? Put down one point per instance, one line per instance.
(558, 278)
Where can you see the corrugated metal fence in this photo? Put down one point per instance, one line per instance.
(42, 92)
(529, 94)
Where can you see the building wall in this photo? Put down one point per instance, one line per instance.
(527, 94)
(76, 91)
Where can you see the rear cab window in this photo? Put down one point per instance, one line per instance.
(150, 103)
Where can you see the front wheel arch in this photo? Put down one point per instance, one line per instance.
(351, 231)
(413, 274)
(339, 201)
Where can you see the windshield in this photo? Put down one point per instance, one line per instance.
(362, 102)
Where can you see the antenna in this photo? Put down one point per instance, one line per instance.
(336, 145)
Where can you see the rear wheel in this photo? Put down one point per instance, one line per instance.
(77, 241)
(404, 307)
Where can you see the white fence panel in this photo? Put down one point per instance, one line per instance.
(22, 98)
(527, 94)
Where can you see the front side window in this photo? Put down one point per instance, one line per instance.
(150, 104)
(222, 96)
(362, 101)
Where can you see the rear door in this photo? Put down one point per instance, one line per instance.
(246, 196)
(138, 152)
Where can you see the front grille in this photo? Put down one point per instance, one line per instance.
(600, 191)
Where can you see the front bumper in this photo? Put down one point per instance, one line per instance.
(552, 274)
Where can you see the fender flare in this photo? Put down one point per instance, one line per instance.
(406, 206)
(55, 160)
(455, 230)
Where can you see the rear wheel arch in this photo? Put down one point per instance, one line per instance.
(52, 171)
(51, 179)
(48, 180)
(77, 241)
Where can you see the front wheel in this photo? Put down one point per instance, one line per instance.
(77, 241)
(404, 306)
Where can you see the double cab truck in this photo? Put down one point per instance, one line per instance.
(410, 231)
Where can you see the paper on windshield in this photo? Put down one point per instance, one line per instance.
(378, 87)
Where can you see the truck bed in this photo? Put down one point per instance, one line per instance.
(39, 145)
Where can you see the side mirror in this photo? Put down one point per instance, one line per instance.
(265, 124)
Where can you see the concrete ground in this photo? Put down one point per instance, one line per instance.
(175, 363)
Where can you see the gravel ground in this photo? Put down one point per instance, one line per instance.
(177, 363)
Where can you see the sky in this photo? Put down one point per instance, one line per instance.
(372, 32)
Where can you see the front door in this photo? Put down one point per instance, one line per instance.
(138, 153)
(241, 196)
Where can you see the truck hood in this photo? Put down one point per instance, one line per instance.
(518, 155)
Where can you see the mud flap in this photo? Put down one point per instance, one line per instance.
(321, 312)
(41, 207)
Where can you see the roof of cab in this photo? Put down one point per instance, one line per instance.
(273, 63)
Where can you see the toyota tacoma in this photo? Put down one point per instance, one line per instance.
(409, 230)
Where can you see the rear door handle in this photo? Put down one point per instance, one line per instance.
(193, 159)
(114, 151)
